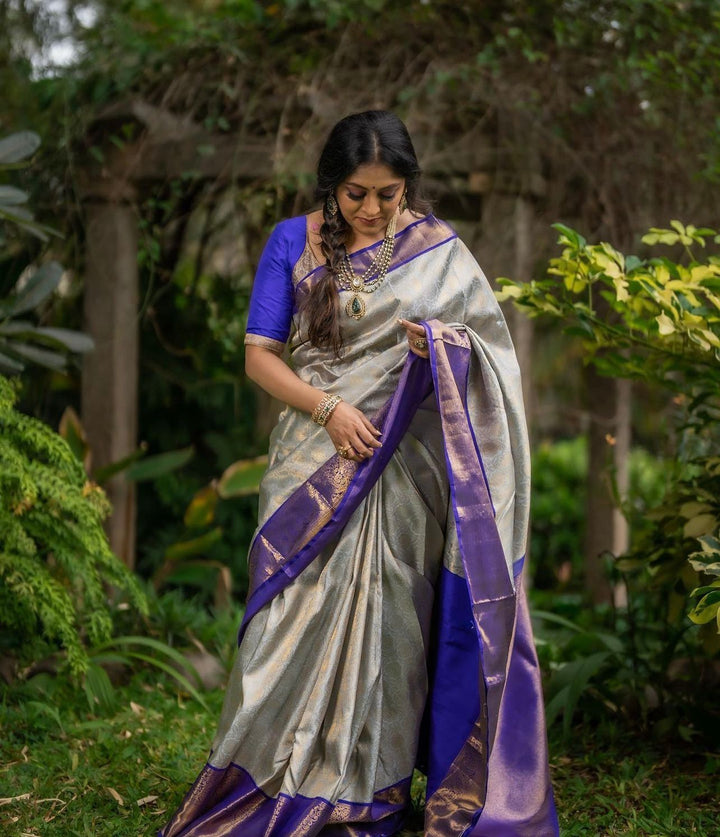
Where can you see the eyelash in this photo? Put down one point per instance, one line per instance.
(354, 197)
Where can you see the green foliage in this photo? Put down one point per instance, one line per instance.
(663, 329)
(668, 313)
(129, 651)
(558, 508)
(631, 663)
(54, 557)
(186, 561)
(21, 341)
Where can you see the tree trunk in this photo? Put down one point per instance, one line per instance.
(608, 404)
(520, 325)
(110, 372)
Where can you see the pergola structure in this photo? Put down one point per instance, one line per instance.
(491, 200)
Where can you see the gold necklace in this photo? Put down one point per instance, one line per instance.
(372, 278)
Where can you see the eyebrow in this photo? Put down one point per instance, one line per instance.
(365, 188)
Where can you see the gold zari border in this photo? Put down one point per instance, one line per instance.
(275, 346)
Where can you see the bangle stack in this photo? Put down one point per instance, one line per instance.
(321, 414)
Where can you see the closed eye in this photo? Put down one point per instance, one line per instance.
(357, 196)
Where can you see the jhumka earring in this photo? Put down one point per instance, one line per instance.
(403, 203)
(331, 206)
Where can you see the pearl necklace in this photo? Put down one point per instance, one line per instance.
(372, 278)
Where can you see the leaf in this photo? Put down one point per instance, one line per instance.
(116, 796)
(10, 196)
(10, 366)
(693, 508)
(43, 357)
(71, 429)
(242, 477)
(73, 341)
(702, 567)
(549, 616)
(195, 546)
(706, 609)
(569, 235)
(40, 285)
(102, 475)
(146, 800)
(703, 524)
(201, 509)
(584, 669)
(676, 225)
(98, 688)
(223, 589)
(621, 289)
(709, 543)
(152, 467)
(665, 324)
(163, 649)
(509, 291)
(18, 146)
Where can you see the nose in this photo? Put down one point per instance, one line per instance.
(372, 204)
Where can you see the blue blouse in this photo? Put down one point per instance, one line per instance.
(271, 302)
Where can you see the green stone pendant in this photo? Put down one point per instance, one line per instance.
(355, 308)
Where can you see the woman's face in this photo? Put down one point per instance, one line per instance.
(369, 198)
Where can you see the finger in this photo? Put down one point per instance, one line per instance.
(412, 328)
(371, 427)
(369, 439)
(361, 449)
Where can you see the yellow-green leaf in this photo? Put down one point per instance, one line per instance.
(703, 524)
(693, 508)
(201, 509)
(508, 292)
(665, 324)
(195, 546)
(242, 477)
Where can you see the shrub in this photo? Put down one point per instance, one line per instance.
(55, 561)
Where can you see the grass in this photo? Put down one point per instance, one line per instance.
(65, 771)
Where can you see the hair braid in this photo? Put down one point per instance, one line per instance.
(323, 300)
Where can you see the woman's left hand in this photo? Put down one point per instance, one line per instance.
(417, 340)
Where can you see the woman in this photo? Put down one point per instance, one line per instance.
(385, 624)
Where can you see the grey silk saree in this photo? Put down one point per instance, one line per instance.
(386, 625)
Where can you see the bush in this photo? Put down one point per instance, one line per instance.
(55, 561)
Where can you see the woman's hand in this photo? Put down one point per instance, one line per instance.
(417, 341)
(352, 433)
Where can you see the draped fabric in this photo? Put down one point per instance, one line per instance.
(386, 624)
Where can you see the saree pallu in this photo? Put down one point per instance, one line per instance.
(386, 624)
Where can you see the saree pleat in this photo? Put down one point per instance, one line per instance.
(386, 620)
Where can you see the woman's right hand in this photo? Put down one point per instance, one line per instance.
(352, 432)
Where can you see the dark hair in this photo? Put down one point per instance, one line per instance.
(374, 136)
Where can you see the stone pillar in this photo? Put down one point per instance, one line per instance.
(110, 373)
(506, 249)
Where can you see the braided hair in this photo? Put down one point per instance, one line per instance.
(374, 136)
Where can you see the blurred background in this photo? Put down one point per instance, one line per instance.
(147, 149)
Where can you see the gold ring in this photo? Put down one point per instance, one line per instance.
(344, 451)
(420, 343)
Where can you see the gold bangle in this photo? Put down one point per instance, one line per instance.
(321, 414)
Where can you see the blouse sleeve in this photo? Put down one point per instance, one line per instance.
(271, 301)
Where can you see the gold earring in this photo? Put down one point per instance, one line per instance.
(403, 203)
(331, 206)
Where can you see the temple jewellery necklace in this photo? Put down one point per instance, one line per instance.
(372, 278)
